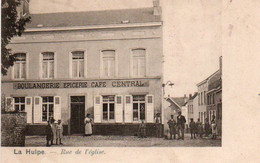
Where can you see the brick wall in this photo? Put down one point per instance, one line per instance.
(13, 129)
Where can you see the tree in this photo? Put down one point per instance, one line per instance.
(13, 24)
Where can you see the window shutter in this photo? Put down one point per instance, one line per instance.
(150, 108)
(70, 65)
(128, 109)
(85, 65)
(119, 109)
(37, 109)
(97, 109)
(28, 109)
(9, 103)
(57, 108)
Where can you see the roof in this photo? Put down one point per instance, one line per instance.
(215, 81)
(179, 100)
(107, 17)
(194, 95)
(203, 81)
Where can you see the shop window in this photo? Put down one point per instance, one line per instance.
(20, 66)
(108, 108)
(48, 65)
(139, 107)
(108, 63)
(19, 104)
(47, 108)
(77, 64)
(138, 63)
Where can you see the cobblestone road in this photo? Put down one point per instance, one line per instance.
(122, 141)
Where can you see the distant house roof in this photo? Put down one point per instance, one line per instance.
(194, 95)
(180, 101)
(207, 78)
(215, 81)
(107, 17)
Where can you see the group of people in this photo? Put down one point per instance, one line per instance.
(177, 127)
(54, 131)
(198, 129)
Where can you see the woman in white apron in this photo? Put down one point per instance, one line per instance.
(88, 127)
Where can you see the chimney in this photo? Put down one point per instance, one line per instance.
(157, 10)
(220, 65)
(185, 98)
(190, 96)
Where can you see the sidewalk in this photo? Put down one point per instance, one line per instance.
(122, 141)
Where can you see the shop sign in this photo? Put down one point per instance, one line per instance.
(81, 84)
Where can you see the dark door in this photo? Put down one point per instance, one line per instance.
(77, 114)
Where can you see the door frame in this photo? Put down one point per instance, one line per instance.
(69, 108)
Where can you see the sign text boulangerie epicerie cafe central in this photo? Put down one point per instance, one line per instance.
(76, 84)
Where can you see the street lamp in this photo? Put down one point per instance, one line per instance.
(167, 83)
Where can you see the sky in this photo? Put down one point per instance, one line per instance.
(191, 35)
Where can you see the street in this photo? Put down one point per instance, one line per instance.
(123, 141)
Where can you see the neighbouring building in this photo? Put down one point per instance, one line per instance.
(202, 98)
(214, 99)
(192, 107)
(172, 106)
(99, 62)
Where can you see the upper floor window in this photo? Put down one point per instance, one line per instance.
(20, 66)
(138, 63)
(48, 65)
(77, 64)
(108, 63)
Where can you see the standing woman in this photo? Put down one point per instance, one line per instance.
(88, 127)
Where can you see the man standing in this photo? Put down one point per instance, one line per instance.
(158, 125)
(180, 125)
(192, 128)
(172, 124)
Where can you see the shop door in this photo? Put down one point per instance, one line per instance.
(77, 114)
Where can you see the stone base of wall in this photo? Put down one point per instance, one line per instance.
(100, 129)
(13, 129)
(40, 130)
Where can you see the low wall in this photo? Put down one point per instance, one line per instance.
(124, 129)
(13, 129)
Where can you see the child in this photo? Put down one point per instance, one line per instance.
(59, 131)
(142, 130)
(192, 128)
(54, 131)
(214, 129)
(49, 134)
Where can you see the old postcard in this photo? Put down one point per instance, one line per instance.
(86, 80)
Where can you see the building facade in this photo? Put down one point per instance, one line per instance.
(100, 63)
(192, 107)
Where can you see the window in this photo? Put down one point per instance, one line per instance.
(108, 59)
(19, 104)
(205, 98)
(213, 99)
(48, 65)
(138, 107)
(77, 64)
(138, 63)
(20, 66)
(47, 108)
(108, 108)
(199, 98)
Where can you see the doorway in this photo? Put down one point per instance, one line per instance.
(77, 114)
